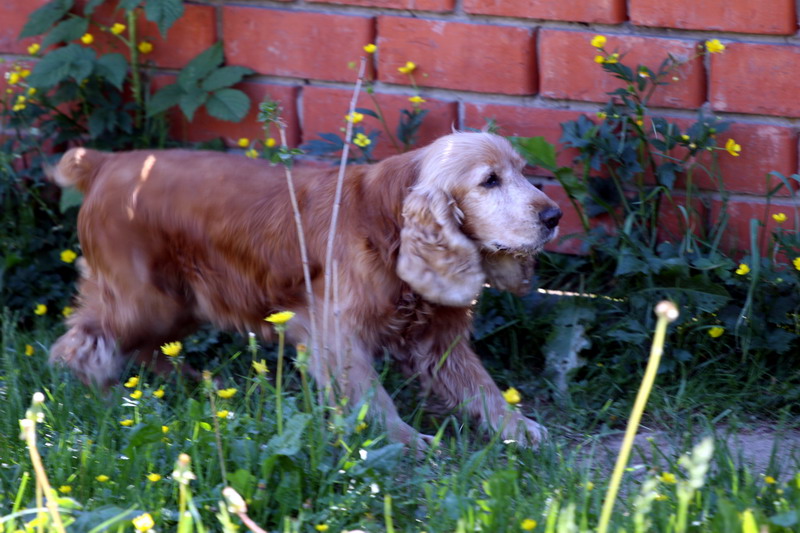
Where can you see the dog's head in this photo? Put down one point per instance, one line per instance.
(471, 217)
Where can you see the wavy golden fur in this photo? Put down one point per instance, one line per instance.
(175, 238)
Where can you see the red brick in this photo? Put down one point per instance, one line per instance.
(415, 5)
(324, 109)
(601, 11)
(756, 78)
(742, 210)
(306, 45)
(568, 71)
(525, 121)
(193, 33)
(745, 16)
(454, 55)
(14, 15)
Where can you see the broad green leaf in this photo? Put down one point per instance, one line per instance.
(224, 77)
(112, 67)
(164, 13)
(165, 98)
(90, 6)
(191, 100)
(536, 150)
(70, 197)
(129, 5)
(72, 61)
(228, 104)
(201, 66)
(289, 442)
(44, 17)
(66, 31)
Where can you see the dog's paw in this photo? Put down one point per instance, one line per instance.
(418, 442)
(524, 431)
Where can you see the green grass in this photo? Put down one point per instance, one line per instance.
(327, 469)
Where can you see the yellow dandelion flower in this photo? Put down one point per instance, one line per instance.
(31, 91)
(132, 382)
(716, 332)
(67, 311)
(117, 28)
(102, 478)
(322, 527)
(18, 107)
(29, 350)
(613, 58)
(158, 393)
(714, 46)
(243, 142)
(529, 524)
(223, 413)
(370, 48)
(34, 48)
(153, 477)
(280, 318)
(13, 78)
(260, 367)
(685, 137)
(780, 218)
(769, 480)
(668, 477)
(270, 142)
(796, 263)
(599, 41)
(643, 72)
(226, 393)
(417, 100)
(733, 148)
(164, 429)
(126, 423)
(64, 489)
(172, 349)
(136, 394)
(145, 47)
(87, 38)
(408, 68)
(362, 140)
(251, 153)
(68, 256)
(743, 269)
(40, 309)
(143, 522)
(355, 117)
(512, 396)
(25, 72)
(599, 59)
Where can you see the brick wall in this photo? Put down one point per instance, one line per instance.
(526, 63)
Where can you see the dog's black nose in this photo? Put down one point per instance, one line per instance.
(550, 217)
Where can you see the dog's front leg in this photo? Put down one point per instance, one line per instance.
(461, 381)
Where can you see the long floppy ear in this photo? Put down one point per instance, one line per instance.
(436, 259)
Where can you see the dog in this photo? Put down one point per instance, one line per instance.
(176, 238)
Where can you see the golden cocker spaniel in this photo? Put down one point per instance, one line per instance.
(176, 238)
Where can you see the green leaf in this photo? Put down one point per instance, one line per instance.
(72, 61)
(537, 151)
(90, 6)
(66, 31)
(165, 98)
(143, 434)
(129, 5)
(228, 104)
(70, 197)
(112, 67)
(201, 66)
(44, 17)
(224, 77)
(190, 100)
(164, 13)
(289, 442)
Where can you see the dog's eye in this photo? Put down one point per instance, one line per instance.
(492, 181)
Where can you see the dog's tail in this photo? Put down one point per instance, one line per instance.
(77, 168)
